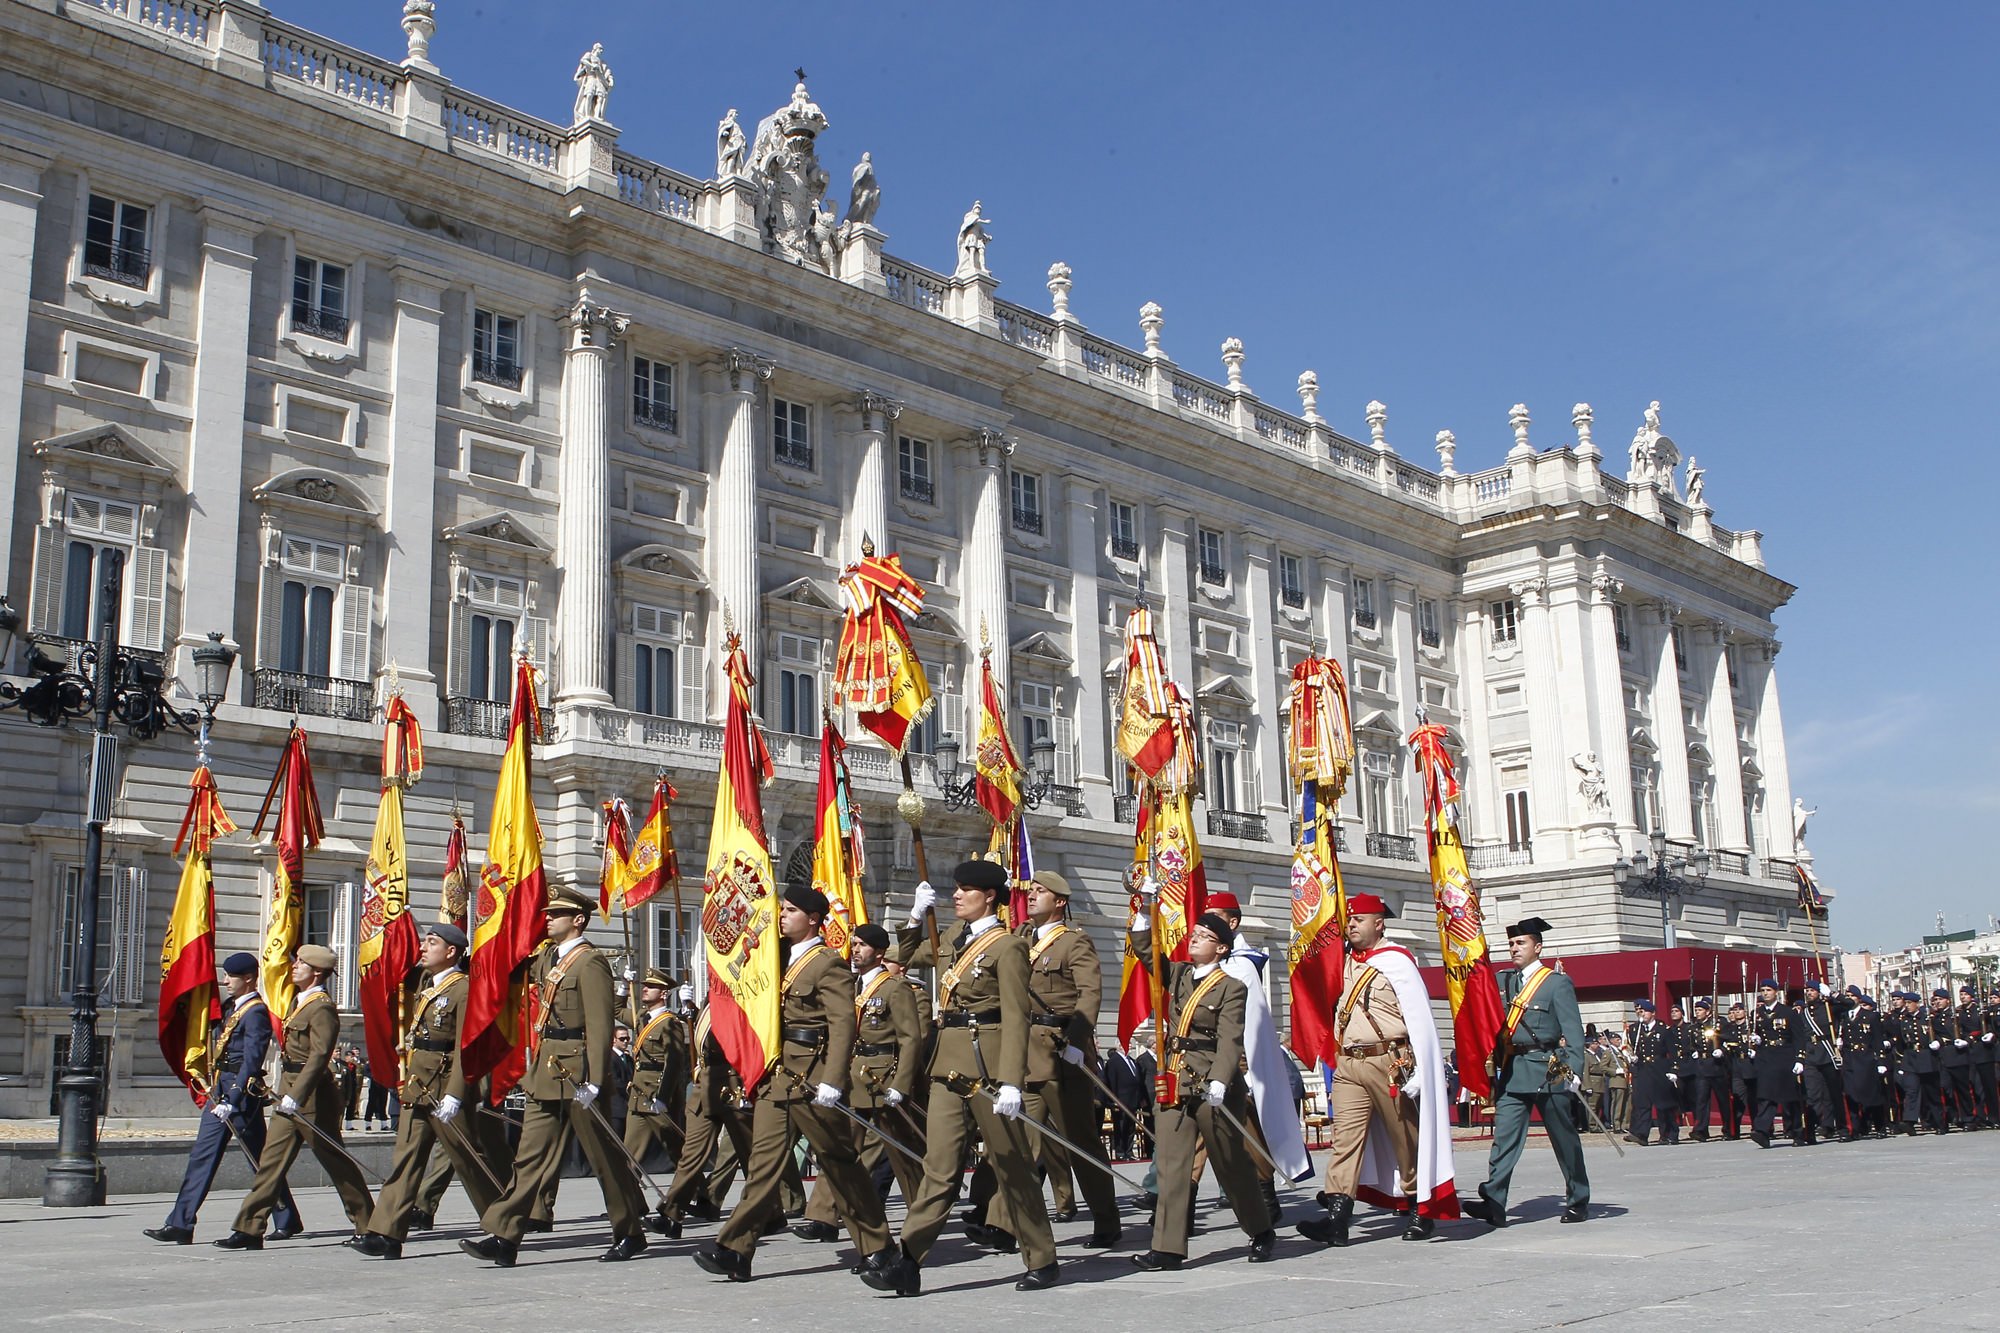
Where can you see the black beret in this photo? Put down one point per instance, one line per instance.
(449, 933)
(1217, 926)
(807, 899)
(980, 874)
(240, 965)
(872, 935)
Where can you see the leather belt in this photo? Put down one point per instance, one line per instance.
(1191, 1043)
(877, 1047)
(292, 1066)
(1050, 1020)
(554, 1033)
(650, 1066)
(1377, 1048)
(229, 1066)
(1533, 1046)
(805, 1036)
(966, 1018)
(437, 1045)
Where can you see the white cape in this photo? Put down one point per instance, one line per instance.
(1437, 1195)
(1270, 1084)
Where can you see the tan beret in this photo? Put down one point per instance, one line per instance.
(1051, 881)
(318, 957)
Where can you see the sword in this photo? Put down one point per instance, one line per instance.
(1105, 1088)
(1589, 1111)
(464, 1145)
(1081, 1155)
(1278, 1174)
(313, 1131)
(501, 1116)
(855, 1116)
(605, 1125)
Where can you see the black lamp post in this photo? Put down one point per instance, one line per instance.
(107, 682)
(1664, 873)
(960, 785)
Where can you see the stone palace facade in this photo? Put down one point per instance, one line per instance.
(386, 382)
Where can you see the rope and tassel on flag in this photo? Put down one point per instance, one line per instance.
(298, 830)
(452, 895)
(388, 946)
(1170, 850)
(739, 910)
(1320, 758)
(190, 1005)
(839, 861)
(876, 672)
(1476, 1012)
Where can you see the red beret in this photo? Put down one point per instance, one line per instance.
(1223, 902)
(1364, 902)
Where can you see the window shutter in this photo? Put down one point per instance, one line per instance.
(1065, 738)
(357, 633)
(623, 686)
(343, 940)
(693, 682)
(1253, 785)
(45, 601)
(458, 662)
(149, 599)
(535, 638)
(128, 925)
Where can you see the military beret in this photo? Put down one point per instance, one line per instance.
(1965, 990)
(1367, 903)
(1770, 983)
(807, 899)
(1864, 998)
(1703, 1003)
(1216, 925)
(1644, 1006)
(1855, 991)
(1940, 994)
(564, 899)
(1532, 926)
(240, 965)
(1224, 902)
(318, 957)
(449, 933)
(1812, 983)
(871, 935)
(1056, 884)
(658, 976)
(980, 874)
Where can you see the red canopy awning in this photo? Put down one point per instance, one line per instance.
(1682, 974)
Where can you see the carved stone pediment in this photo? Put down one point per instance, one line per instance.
(1041, 646)
(1224, 689)
(499, 529)
(1379, 721)
(664, 562)
(108, 446)
(807, 591)
(312, 486)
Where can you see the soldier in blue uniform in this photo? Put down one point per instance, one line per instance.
(1539, 1063)
(236, 1065)
(1775, 1032)
(1655, 1102)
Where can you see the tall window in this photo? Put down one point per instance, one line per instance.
(1291, 580)
(1680, 649)
(1225, 765)
(673, 937)
(1514, 801)
(117, 239)
(914, 479)
(1034, 716)
(1382, 794)
(1643, 814)
(121, 934)
(1505, 617)
(656, 633)
(653, 394)
(1208, 556)
(1430, 623)
(1364, 602)
(1124, 530)
(1752, 799)
(497, 604)
(496, 349)
(311, 573)
(319, 298)
(1026, 489)
(791, 433)
(98, 529)
(1701, 804)
(798, 685)
(1621, 626)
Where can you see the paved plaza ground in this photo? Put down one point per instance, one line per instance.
(1838, 1237)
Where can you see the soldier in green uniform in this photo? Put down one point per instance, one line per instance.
(307, 1095)
(659, 1065)
(1539, 1057)
(717, 1108)
(976, 1072)
(433, 1095)
(800, 1096)
(569, 1066)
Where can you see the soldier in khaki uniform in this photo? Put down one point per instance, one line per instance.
(799, 1096)
(306, 1092)
(1617, 1080)
(976, 1073)
(717, 1108)
(570, 1065)
(659, 1066)
(888, 1048)
(1205, 1054)
(432, 1094)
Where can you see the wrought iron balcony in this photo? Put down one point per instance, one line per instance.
(126, 265)
(1339, 835)
(659, 416)
(488, 369)
(1027, 519)
(314, 696)
(1363, 618)
(1069, 798)
(1733, 863)
(1498, 856)
(1125, 548)
(1429, 638)
(1780, 870)
(920, 489)
(793, 453)
(1392, 847)
(1292, 595)
(1236, 824)
(320, 323)
(1125, 807)
(1213, 573)
(490, 718)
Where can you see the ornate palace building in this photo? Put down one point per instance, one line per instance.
(384, 382)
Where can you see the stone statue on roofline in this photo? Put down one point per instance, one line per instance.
(1697, 483)
(972, 241)
(593, 86)
(730, 147)
(864, 196)
(784, 161)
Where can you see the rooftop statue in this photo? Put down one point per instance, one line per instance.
(864, 196)
(593, 86)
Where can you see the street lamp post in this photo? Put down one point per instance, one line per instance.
(959, 786)
(1663, 872)
(106, 683)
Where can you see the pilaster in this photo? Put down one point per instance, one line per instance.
(1093, 760)
(732, 516)
(986, 563)
(1722, 746)
(1261, 557)
(868, 514)
(410, 573)
(1670, 727)
(1548, 762)
(21, 168)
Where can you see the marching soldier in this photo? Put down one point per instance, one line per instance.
(1867, 1050)
(1711, 1071)
(1206, 1059)
(1983, 1061)
(1939, 1028)
(1596, 1067)
(568, 1068)
(1820, 1079)
(978, 1067)
(717, 1108)
(1742, 1066)
(1963, 1055)
(232, 1103)
(308, 1107)
(433, 1095)
(1540, 1048)
(1904, 1028)
(1686, 1044)
(1654, 1100)
(1617, 1080)
(1774, 1032)
(659, 1066)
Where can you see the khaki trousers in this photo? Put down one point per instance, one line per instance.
(1177, 1135)
(774, 1127)
(643, 1130)
(415, 1137)
(1362, 1092)
(1065, 1103)
(281, 1149)
(538, 1162)
(691, 1173)
(820, 1204)
(1010, 1147)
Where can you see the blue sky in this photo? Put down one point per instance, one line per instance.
(1776, 219)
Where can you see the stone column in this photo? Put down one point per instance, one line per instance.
(583, 532)
(215, 440)
(1722, 747)
(1093, 738)
(985, 573)
(1609, 735)
(20, 202)
(1569, 621)
(732, 502)
(1771, 757)
(1266, 694)
(868, 515)
(1479, 777)
(1670, 728)
(1336, 582)
(1549, 766)
(410, 576)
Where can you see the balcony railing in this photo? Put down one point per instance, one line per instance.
(1392, 846)
(320, 323)
(496, 370)
(1027, 520)
(659, 416)
(1292, 597)
(1125, 548)
(1213, 574)
(314, 696)
(1734, 863)
(1236, 824)
(1069, 798)
(920, 489)
(126, 265)
(485, 717)
(793, 453)
(1497, 857)
(1780, 870)
(70, 652)
(1125, 807)
(1364, 618)
(1339, 836)
(1429, 638)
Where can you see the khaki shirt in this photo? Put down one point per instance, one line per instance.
(577, 997)
(431, 1074)
(888, 1040)
(995, 987)
(659, 1057)
(1375, 1016)
(818, 998)
(306, 1067)
(1066, 983)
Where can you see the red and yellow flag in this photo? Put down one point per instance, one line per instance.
(452, 893)
(512, 891)
(617, 847)
(388, 946)
(1173, 858)
(839, 858)
(1145, 735)
(299, 829)
(996, 767)
(876, 672)
(1320, 756)
(189, 1004)
(739, 908)
(1476, 1012)
(640, 867)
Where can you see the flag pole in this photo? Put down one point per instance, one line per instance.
(1166, 1083)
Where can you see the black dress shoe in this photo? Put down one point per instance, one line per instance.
(1039, 1279)
(992, 1238)
(666, 1226)
(1263, 1246)
(240, 1240)
(493, 1248)
(1420, 1228)
(706, 1209)
(390, 1248)
(422, 1221)
(819, 1231)
(874, 1263)
(1761, 1140)
(170, 1235)
(1485, 1210)
(366, 1242)
(1066, 1214)
(900, 1276)
(1331, 1229)
(774, 1227)
(284, 1233)
(538, 1224)
(631, 1247)
(1576, 1212)
(1104, 1237)
(1158, 1261)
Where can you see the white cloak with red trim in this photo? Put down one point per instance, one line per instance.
(1270, 1086)
(1437, 1195)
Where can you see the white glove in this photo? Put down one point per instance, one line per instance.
(1881, 1069)
(828, 1095)
(287, 1106)
(656, 1107)
(1573, 1083)
(585, 1095)
(924, 901)
(1756, 1040)
(1987, 1037)
(893, 1097)
(1413, 1090)
(1935, 1045)
(1216, 1092)
(1673, 1078)
(1149, 888)
(1961, 1043)
(1007, 1101)
(447, 1110)
(686, 994)
(1141, 921)
(1798, 1069)
(1072, 1056)
(1717, 1052)
(222, 1111)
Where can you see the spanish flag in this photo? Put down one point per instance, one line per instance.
(996, 767)
(299, 829)
(876, 672)
(649, 863)
(839, 861)
(389, 943)
(1320, 756)
(1166, 848)
(189, 1005)
(739, 911)
(1476, 1013)
(512, 890)
(617, 846)
(1144, 736)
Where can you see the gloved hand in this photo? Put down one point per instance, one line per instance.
(656, 1107)
(1149, 888)
(1413, 1090)
(1673, 1077)
(686, 994)
(1717, 1052)
(1798, 1069)
(1935, 1045)
(893, 1097)
(585, 1095)
(828, 1095)
(1756, 1039)
(222, 1111)
(1881, 1069)
(446, 1111)
(1961, 1043)
(1573, 1083)
(1215, 1093)
(1007, 1101)
(1073, 1056)
(1987, 1037)
(924, 901)
(288, 1106)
